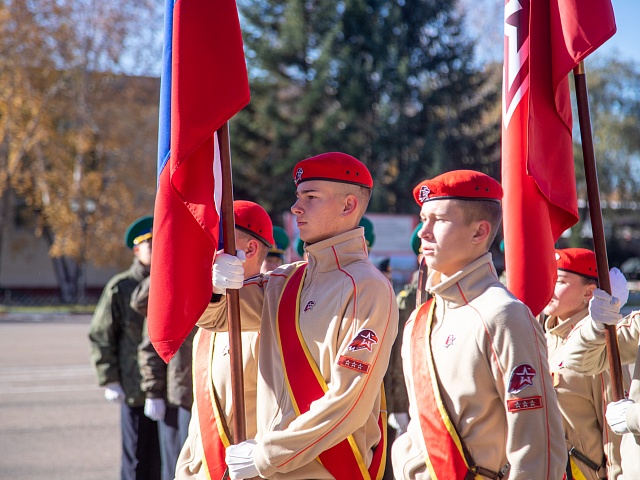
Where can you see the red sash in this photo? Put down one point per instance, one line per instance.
(344, 461)
(214, 440)
(444, 453)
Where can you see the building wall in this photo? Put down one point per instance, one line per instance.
(25, 263)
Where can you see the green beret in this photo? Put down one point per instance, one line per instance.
(415, 240)
(369, 236)
(281, 242)
(300, 246)
(138, 231)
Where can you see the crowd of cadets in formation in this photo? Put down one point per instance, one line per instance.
(476, 387)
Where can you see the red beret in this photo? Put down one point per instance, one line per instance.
(460, 184)
(334, 167)
(254, 220)
(577, 260)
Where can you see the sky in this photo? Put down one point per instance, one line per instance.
(485, 23)
(626, 41)
(487, 27)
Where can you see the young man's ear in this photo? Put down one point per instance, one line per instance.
(483, 230)
(251, 248)
(350, 204)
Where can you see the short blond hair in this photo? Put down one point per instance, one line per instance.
(478, 210)
(363, 194)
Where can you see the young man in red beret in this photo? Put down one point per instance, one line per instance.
(210, 429)
(482, 403)
(586, 352)
(326, 333)
(593, 447)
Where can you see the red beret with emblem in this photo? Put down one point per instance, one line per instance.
(458, 184)
(577, 260)
(334, 167)
(254, 220)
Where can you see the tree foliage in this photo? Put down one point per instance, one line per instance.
(614, 107)
(614, 104)
(390, 82)
(77, 138)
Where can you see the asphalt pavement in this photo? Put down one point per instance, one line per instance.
(54, 420)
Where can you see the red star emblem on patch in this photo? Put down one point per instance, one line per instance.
(521, 377)
(365, 338)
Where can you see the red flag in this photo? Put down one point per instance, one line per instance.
(204, 83)
(544, 41)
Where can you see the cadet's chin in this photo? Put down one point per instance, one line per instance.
(549, 309)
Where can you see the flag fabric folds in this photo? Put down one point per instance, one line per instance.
(544, 41)
(204, 83)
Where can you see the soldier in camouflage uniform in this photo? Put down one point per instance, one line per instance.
(168, 388)
(115, 333)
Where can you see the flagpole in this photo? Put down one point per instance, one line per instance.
(233, 297)
(595, 212)
(421, 294)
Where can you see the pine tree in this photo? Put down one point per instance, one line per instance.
(391, 83)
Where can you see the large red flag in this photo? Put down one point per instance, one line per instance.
(204, 83)
(544, 40)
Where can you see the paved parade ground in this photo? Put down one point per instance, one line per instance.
(54, 420)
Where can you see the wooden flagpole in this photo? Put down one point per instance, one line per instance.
(421, 294)
(233, 297)
(595, 212)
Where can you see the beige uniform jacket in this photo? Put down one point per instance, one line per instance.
(189, 465)
(585, 352)
(582, 400)
(342, 295)
(482, 340)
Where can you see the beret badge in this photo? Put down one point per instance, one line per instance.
(298, 176)
(424, 193)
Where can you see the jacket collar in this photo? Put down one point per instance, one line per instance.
(562, 329)
(466, 285)
(338, 251)
(138, 270)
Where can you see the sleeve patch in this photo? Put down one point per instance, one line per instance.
(353, 364)
(521, 377)
(364, 339)
(520, 404)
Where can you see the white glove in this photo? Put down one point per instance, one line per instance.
(399, 422)
(239, 459)
(228, 272)
(113, 392)
(616, 415)
(604, 309)
(619, 287)
(155, 408)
